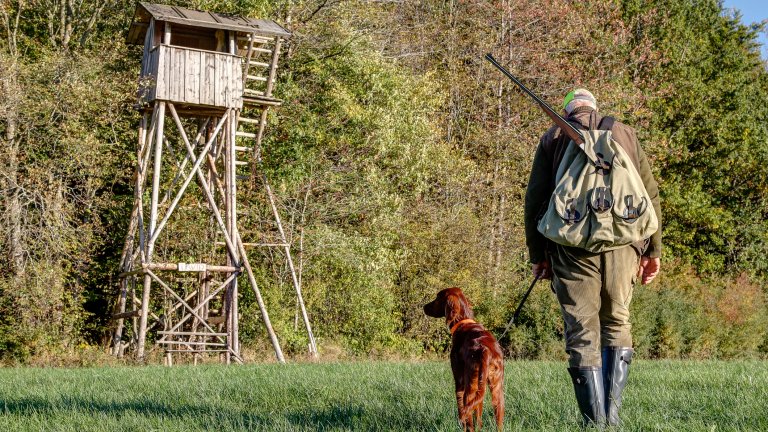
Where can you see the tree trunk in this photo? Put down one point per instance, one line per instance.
(15, 249)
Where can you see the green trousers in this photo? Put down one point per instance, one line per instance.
(594, 291)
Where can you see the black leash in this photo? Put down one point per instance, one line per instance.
(520, 308)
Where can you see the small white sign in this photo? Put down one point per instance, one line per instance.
(192, 267)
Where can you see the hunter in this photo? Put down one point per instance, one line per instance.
(594, 289)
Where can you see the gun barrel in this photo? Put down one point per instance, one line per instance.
(568, 128)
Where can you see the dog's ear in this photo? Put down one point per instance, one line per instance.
(466, 307)
(453, 309)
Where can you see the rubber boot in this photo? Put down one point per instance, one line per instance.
(590, 395)
(616, 361)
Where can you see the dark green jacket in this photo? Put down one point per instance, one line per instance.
(542, 181)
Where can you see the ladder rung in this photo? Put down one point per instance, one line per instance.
(249, 120)
(181, 333)
(253, 92)
(258, 64)
(241, 163)
(256, 78)
(245, 134)
(262, 50)
(241, 148)
(176, 342)
(260, 101)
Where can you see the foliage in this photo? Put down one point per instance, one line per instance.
(710, 131)
(399, 159)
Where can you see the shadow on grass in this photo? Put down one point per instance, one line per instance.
(211, 417)
(198, 415)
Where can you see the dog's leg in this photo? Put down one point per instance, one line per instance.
(496, 383)
(458, 380)
(479, 414)
(460, 406)
(473, 393)
(471, 421)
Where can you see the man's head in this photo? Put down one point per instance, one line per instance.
(578, 98)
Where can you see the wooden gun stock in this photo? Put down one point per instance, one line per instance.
(566, 127)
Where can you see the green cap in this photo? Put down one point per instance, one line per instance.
(579, 97)
(568, 98)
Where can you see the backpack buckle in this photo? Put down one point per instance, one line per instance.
(602, 166)
(571, 214)
(632, 213)
(602, 200)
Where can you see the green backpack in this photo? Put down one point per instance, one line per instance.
(599, 202)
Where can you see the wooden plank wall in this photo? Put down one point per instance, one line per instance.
(195, 77)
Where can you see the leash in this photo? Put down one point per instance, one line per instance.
(520, 307)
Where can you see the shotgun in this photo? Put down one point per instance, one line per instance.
(566, 127)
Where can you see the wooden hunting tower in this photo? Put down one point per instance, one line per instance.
(212, 75)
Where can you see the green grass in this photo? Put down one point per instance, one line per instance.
(367, 396)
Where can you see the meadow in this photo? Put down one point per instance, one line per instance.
(367, 396)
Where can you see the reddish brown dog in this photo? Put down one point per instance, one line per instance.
(476, 358)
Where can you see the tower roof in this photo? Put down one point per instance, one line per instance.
(195, 18)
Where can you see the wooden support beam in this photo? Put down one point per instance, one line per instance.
(182, 267)
(200, 309)
(204, 183)
(179, 299)
(195, 170)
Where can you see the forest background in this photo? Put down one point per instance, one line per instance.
(400, 158)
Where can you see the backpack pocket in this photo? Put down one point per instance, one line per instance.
(566, 220)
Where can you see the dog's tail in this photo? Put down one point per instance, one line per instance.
(476, 378)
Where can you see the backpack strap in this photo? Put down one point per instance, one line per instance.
(606, 123)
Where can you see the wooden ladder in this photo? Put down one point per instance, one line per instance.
(259, 70)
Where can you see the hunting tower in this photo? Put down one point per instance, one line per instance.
(211, 76)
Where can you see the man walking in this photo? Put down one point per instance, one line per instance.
(594, 289)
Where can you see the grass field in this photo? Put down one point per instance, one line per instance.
(367, 396)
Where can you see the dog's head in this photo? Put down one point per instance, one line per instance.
(451, 304)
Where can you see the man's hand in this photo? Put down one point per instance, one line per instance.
(542, 270)
(649, 268)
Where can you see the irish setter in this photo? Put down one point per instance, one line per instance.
(476, 358)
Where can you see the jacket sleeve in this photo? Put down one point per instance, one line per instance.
(536, 199)
(652, 187)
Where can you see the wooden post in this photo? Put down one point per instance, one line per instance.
(158, 147)
(232, 213)
(273, 68)
(260, 302)
(128, 246)
(167, 33)
(118, 335)
(227, 201)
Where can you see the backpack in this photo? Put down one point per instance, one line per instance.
(599, 202)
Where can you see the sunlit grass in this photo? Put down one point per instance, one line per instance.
(662, 396)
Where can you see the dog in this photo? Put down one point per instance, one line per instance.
(476, 358)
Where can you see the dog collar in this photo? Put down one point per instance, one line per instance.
(464, 321)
